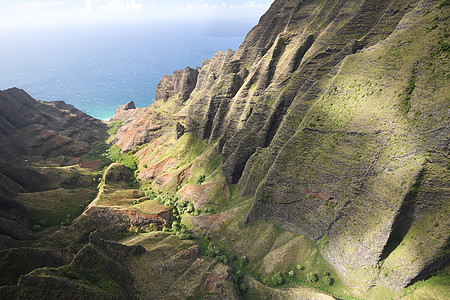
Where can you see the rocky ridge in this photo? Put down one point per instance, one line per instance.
(37, 139)
(330, 115)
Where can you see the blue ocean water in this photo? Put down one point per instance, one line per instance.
(97, 68)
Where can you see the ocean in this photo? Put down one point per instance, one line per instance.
(96, 68)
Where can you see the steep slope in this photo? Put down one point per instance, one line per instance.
(37, 128)
(333, 117)
(37, 139)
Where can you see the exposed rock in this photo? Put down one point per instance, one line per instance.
(190, 254)
(127, 106)
(32, 127)
(221, 283)
(125, 112)
(180, 84)
(118, 220)
(179, 130)
(139, 128)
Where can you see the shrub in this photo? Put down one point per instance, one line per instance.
(209, 253)
(190, 208)
(243, 261)
(243, 287)
(129, 160)
(68, 272)
(208, 209)
(311, 277)
(327, 280)
(322, 241)
(291, 273)
(300, 267)
(175, 225)
(238, 275)
(277, 279)
(184, 236)
(201, 179)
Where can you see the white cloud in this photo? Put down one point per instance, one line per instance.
(224, 7)
(88, 7)
(37, 5)
(113, 6)
(121, 5)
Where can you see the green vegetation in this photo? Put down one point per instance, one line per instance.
(56, 207)
(201, 179)
(113, 127)
(102, 281)
(69, 272)
(443, 4)
(322, 241)
(312, 277)
(327, 280)
(406, 103)
(115, 156)
(243, 261)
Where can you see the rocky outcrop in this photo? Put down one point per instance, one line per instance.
(180, 84)
(97, 271)
(125, 112)
(32, 127)
(143, 125)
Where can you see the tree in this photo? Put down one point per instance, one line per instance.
(311, 277)
(243, 261)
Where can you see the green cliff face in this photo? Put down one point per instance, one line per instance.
(333, 116)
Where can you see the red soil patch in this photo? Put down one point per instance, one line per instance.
(226, 191)
(130, 217)
(213, 279)
(93, 165)
(152, 171)
(190, 254)
(161, 181)
(185, 174)
(196, 194)
(204, 225)
(143, 128)
(323, 196)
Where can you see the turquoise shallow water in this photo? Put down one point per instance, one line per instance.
(97, 68)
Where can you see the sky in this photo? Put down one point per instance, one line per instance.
(25, 13)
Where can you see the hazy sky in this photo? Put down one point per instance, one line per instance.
(31, 12)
